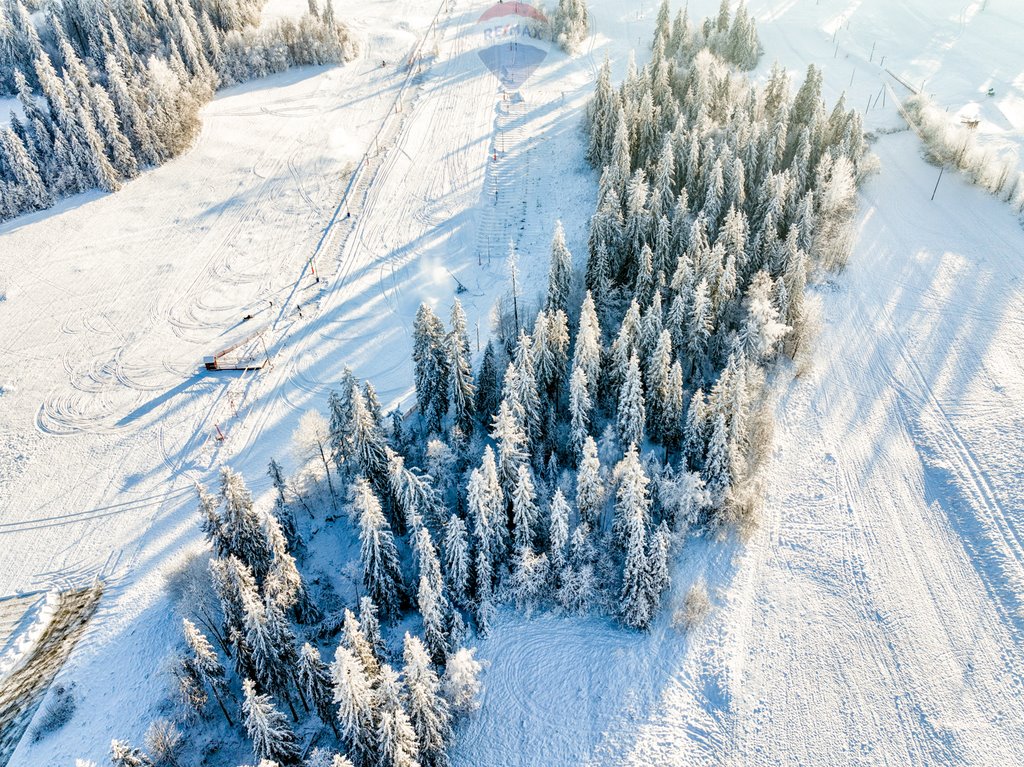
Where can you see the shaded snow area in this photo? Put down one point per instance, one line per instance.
(875, 615)
(8, 107)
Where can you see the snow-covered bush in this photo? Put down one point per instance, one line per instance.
(461, 684)
(695, 608)
(570, 24)
(951, 143)
(163, 742)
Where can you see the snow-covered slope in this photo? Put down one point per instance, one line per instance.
(875, 616)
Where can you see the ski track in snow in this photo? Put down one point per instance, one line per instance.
(874, 617)
(127, 426)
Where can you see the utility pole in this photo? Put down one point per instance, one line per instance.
(937, 181)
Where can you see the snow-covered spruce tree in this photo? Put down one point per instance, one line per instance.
(211, 523)
(428, 711)
(559, 273)
(551, 334)
(435, 612)
(314, 677)
(632, 496)
(624, 345)
(483, 608)
(355, 639)
(590, 489)
(414, 494)
(282, 510)
(524, 509)
(268, 729)
(189, 690)
(240, 531)
(357, 706)
(430, 357)
(382, 575)
(659, 374)
(488, 394)
(205, 666)
(270, 644)
(580, 409)
(632, 412)
(717, 469)
(509, 434)
(698, 330)
(431, 598)
(338, 440)
(521, 389)
(457, 558)
(461, 685)
(283, 584)
(695, 430)
(599, 265)
(558, 532)
(635, 601)
(235, 585)
(672, 426)
(637, 220)
(587, 352)
(651, 324)
(463, 391)
(486, 504)
(370, 447)
(599, 115)
(397, 743)
(28, 191)
(373, 403)
(657, 562)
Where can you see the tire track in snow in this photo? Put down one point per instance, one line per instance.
(972, 479)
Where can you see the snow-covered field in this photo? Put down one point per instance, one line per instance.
(874, 617)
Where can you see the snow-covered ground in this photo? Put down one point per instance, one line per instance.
(114, 300)
(875, 616)
(9, 106)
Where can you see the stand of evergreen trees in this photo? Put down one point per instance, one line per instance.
(110, 88)
(570, 24)
(599, 427)
(249, 654)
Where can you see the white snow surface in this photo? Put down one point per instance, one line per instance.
(9, 106)
(875, 615)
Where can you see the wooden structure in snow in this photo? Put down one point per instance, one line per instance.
(238, 355)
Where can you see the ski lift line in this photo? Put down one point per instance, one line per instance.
(902, 82)
(356, 178)
(357, 173)
(135, 503)
(211, 362)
